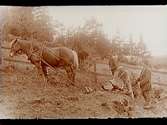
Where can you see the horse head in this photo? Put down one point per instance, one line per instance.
(15, 48)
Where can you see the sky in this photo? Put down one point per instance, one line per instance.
(148, 21)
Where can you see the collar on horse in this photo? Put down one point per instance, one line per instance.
(33, 52)
(39, 53)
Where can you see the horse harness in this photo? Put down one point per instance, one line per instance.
(35, 54)
(38, 54)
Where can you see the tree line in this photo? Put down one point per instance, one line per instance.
(34, 23)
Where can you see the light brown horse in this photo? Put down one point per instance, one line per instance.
(42, 56)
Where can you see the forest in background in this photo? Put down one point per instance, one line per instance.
(34, 23)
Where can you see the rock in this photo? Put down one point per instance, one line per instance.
(105, 105)
(119, 107)
(157, 93)
(107, 86)
(73, 98)
(113, 84)
(38, 101)
(123, 107)
(88, 90)
(27, 68)
(148, 106)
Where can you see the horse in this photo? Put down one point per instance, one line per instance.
(42, 57)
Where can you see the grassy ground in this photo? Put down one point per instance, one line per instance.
(23, 95)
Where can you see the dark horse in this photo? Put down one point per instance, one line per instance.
(42, 56)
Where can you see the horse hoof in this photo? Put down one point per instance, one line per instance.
(72, 83)
(45, 86)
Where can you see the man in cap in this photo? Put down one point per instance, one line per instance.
(113, 64)
(121, 77)
(145, 83)
(124, 75)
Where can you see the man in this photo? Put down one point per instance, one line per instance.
(124, 75)
(135, 85)
(113, 64)
(145, 83)
(121, 79)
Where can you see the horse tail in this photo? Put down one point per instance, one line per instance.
(76, 63)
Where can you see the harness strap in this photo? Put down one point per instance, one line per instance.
(41, 59)
(41, 53)
(121, 74)
(48, 64)
(53, 68)
(31, 51)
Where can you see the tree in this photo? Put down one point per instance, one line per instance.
(44, 30)
(87, 40)
(96, 37)
(116, 44)
(19, 22)
(28, 23)
(141, 47)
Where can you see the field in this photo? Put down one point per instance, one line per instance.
(23, 95)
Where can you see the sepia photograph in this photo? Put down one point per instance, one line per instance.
(80, 62)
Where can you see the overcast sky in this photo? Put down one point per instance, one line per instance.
(150, 21)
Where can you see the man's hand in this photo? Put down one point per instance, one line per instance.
(138, 79)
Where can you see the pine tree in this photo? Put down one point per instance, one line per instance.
(28, 23)
(44, 30)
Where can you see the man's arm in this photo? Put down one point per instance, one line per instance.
(141, 75)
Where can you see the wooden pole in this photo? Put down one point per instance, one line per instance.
(95, 76)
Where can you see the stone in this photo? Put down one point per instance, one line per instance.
(108, 86)
(88, 90)
(113, 84)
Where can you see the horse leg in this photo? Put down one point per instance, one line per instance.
(44, 69)
(68, 70)
(41, 72)
(72, 73)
